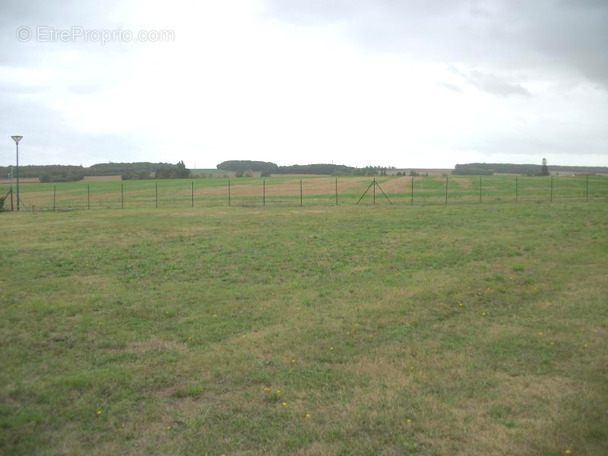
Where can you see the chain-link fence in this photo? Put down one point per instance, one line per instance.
(305, 191)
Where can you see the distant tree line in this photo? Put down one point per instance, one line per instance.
(141, 170)
(485, 169)
(60, 173)
(248, 165)
(178, 171)
(471, 170)
(147, 170)
(52, 173)
(242, 167)
(372, 171)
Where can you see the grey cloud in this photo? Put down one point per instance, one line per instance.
(48, 140)
(56, 14)
(560, 36)
(491, 83)
(47, 137)
(17, 88)
(60, 13)
(527, 143)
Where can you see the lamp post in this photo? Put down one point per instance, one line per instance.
(17, 139)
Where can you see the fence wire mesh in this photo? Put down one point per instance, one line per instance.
(306, 191)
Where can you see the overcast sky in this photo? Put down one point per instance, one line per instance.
(405, 83)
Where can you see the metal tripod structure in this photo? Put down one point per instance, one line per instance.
(373, 186)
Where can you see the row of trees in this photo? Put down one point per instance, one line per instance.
(53, 173)
(141, 170)
(248, 165)
(147, 170)
(242, 167)
(483, 169)
(61, 173)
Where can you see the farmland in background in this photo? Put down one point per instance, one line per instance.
(307, 190)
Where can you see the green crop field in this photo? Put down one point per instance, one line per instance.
(306, 191)
(476, 329)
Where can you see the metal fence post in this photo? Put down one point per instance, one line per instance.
(336, 192)
(412, 197)
(374, 191)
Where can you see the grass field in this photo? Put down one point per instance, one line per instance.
(308, 191)
(459, 330)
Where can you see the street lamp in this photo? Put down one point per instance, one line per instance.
(17, 139)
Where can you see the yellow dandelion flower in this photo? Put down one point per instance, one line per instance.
(98, 412)
(308, 416)
(331, 348)
(267, 390)
(278, 392)
(568, 452)
(284, 404)
(408, 421)
(168, 428)
(293, 361)
(586, 346)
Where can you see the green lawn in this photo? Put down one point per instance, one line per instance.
(460, 330)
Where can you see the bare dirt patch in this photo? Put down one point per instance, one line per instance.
(102, 178)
